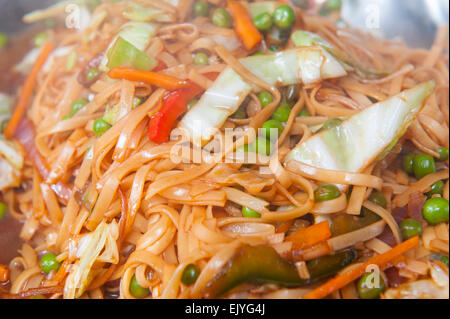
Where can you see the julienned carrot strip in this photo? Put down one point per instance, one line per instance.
(347, 277)
(310, 236)
(157, 79)
(27, 90)
(243, 24)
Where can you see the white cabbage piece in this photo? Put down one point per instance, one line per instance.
(363, 137)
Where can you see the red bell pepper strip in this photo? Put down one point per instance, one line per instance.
(173, 106)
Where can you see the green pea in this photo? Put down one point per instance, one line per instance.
(408, 163)
(263, 22)
(222, 18)
(443, 154)
(77, 105)
(364, 284)
(326, 192)
(190, 274)
(436, 189)
(191, 103)
(435, 210)
(250, 213)
(3, 209)
(275, 124)
(40, 39)
(49, 263)
(92, 73)
(410, 228)
(304, 112)
(423, 165)
(100, 127)
(378, 198)
(201, 59)
(137, 290)
(265, 98)
(260, 146)
(331, 123)
(201, 9)
(284, 17)
(282, 113)
(3, 40)
(334, 5)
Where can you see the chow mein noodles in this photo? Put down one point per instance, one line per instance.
(223, 149)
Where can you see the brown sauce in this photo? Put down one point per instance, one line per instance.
(18, 46)
(10, 242)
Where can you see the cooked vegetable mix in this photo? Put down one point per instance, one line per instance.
(232, 149)
(287, 67)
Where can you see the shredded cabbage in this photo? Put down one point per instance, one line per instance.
(98, 246)
(12, 153)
